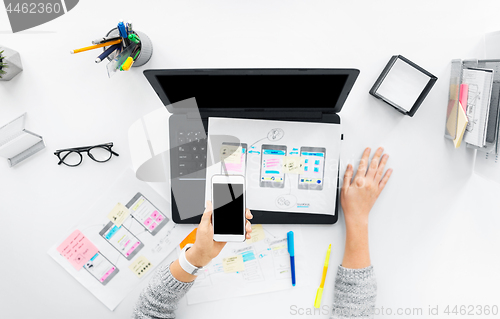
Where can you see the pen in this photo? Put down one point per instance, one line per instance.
(92, 47)
(107, 52)
(291, 251)
(121, 29)
(127, 64)
(135, 52)
(123, 33)
(319, 293)
(105, 39)
(129, 24)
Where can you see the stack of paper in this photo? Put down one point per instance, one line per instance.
(480, 82)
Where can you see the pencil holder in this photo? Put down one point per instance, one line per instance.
(146, 47)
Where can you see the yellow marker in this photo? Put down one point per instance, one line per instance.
(97, 46)
(127, 64)
(319, 293)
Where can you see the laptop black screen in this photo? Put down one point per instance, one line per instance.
(255, 91)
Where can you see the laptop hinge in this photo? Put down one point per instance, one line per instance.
(261, 114)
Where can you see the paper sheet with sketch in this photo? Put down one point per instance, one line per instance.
(257, 266)
(288, 166)
(480, 84)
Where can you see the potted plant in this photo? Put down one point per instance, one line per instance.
(3, 65)
(10, 64)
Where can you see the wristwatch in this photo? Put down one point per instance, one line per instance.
(185, 264)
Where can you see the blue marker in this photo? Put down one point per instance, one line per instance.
(122, 29)
(291, 251)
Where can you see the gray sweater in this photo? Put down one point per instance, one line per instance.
(354, 294)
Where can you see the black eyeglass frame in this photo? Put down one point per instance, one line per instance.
(82, 149)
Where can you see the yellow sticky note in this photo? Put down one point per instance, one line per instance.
(140, 266)
(118, 214)
(257, 234)
(293, 164)
(233, 264)
(461, 125)
(230, 154)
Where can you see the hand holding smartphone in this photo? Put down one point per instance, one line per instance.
(228, 200)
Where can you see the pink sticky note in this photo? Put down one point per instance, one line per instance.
(464, 95)
(148, 221)
(77, 249)
(153, 226)
(159, 219)
(154, 214)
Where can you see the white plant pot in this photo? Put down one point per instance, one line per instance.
(14, 65)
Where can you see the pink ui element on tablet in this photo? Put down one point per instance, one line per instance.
(106, 275)
(133, 248)
(153, 226)
(148, 221)
(154, 214)
(126, 244)
(159, 219)
(77, 249)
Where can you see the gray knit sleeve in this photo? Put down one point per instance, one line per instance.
(355, 293)
(159, 299)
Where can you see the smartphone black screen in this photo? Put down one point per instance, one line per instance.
(228, 209)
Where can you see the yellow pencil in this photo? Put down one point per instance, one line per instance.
(97, 46)
(319, 293)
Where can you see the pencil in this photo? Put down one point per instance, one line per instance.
(97, 46)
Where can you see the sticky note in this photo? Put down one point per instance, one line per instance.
(233, 264)
(451, 121)
(231, 154)
(77, 249)
(461, 126)
(140, 266)
(190, 239)
(293, 165)
(118, 214)
(257, 234)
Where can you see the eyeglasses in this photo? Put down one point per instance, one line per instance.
(72, 156)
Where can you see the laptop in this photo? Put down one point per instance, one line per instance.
(303, 95)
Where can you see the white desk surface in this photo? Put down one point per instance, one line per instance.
(431, 244)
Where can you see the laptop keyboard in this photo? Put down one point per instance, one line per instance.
(192, 153)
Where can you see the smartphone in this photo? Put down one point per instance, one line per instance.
(101, 268)
(228, 201)
(271, 168)
(150, 217)
(122, 240)
(234, 167)
(314, 168)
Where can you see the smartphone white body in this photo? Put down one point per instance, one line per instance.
(228, 202)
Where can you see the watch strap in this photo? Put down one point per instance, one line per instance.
(185, 264)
